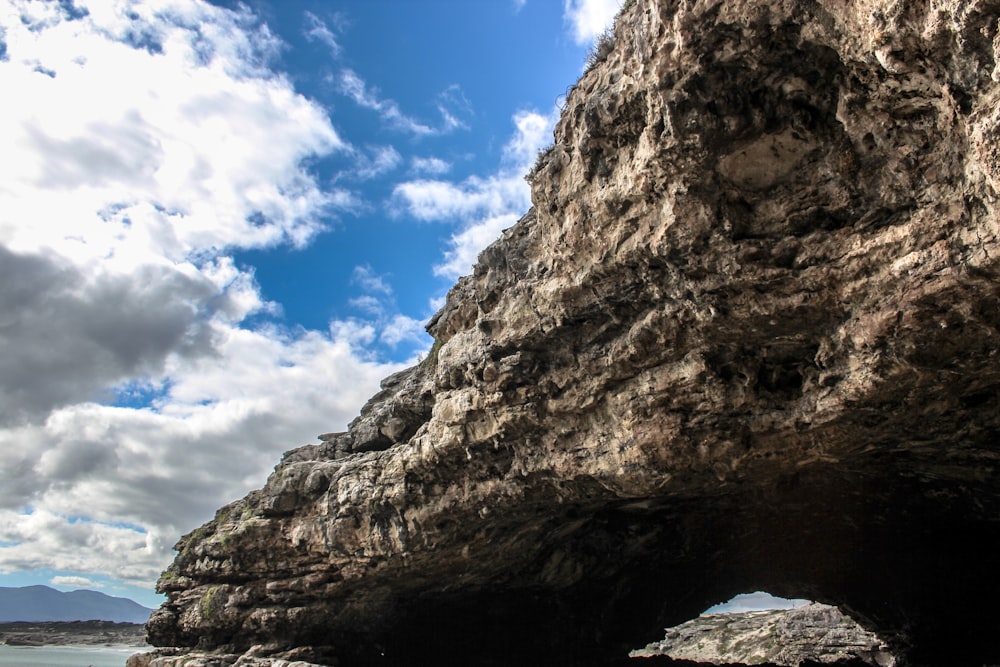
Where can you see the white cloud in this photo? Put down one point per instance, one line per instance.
(117, 222)
(435, 200)
(344, 200)
(519, 5)
(383, 159)
(437, 302)
(359, 334)
(430, 165)
(44, 540)
(164, 153)
(354, 87)
(114, 215)
(450, 102)
(470, 241)
(401, 328)
(367, 304)
(386, 325)
(147, 475)
(589, 18)
(533, 132)
(75, 582)
(318, 30)
(483, 206)
(370, 281)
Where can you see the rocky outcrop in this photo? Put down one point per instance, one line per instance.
(815, 632)
(173, 657)
(747, 338)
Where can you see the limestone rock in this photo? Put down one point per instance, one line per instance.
(747, 338)
(815, 632)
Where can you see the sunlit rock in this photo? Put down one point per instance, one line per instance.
(817, 633)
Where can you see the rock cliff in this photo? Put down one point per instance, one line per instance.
(746, 338)
(817, 633)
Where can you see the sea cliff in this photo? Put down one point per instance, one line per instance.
(745, 339)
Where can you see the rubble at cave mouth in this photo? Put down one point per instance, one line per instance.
(802, 634)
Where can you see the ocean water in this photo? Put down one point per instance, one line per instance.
(65, 656)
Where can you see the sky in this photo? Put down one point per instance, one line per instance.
(757, 601)
(221, 225)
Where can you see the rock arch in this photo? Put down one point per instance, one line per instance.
(747, 338)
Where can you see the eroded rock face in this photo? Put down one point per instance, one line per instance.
(814, 633)
(747, 338)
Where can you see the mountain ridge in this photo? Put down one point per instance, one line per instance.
(41, 603)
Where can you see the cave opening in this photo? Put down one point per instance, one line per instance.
(907, 556)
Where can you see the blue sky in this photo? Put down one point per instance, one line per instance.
(221, 225)
(425, 92)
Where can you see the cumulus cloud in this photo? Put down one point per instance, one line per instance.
(482, 206)
(587, 19)
(130, 375)
(78, 332)
(400, 329)
(435, 200)
(164, 151)
(147, 475)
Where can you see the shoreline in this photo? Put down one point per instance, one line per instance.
(81, 634)
(68, 655)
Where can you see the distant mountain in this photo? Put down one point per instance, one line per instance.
(41, 603)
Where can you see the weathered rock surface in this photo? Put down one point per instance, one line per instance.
(173, 657)
(747, 338)
(815, 632)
